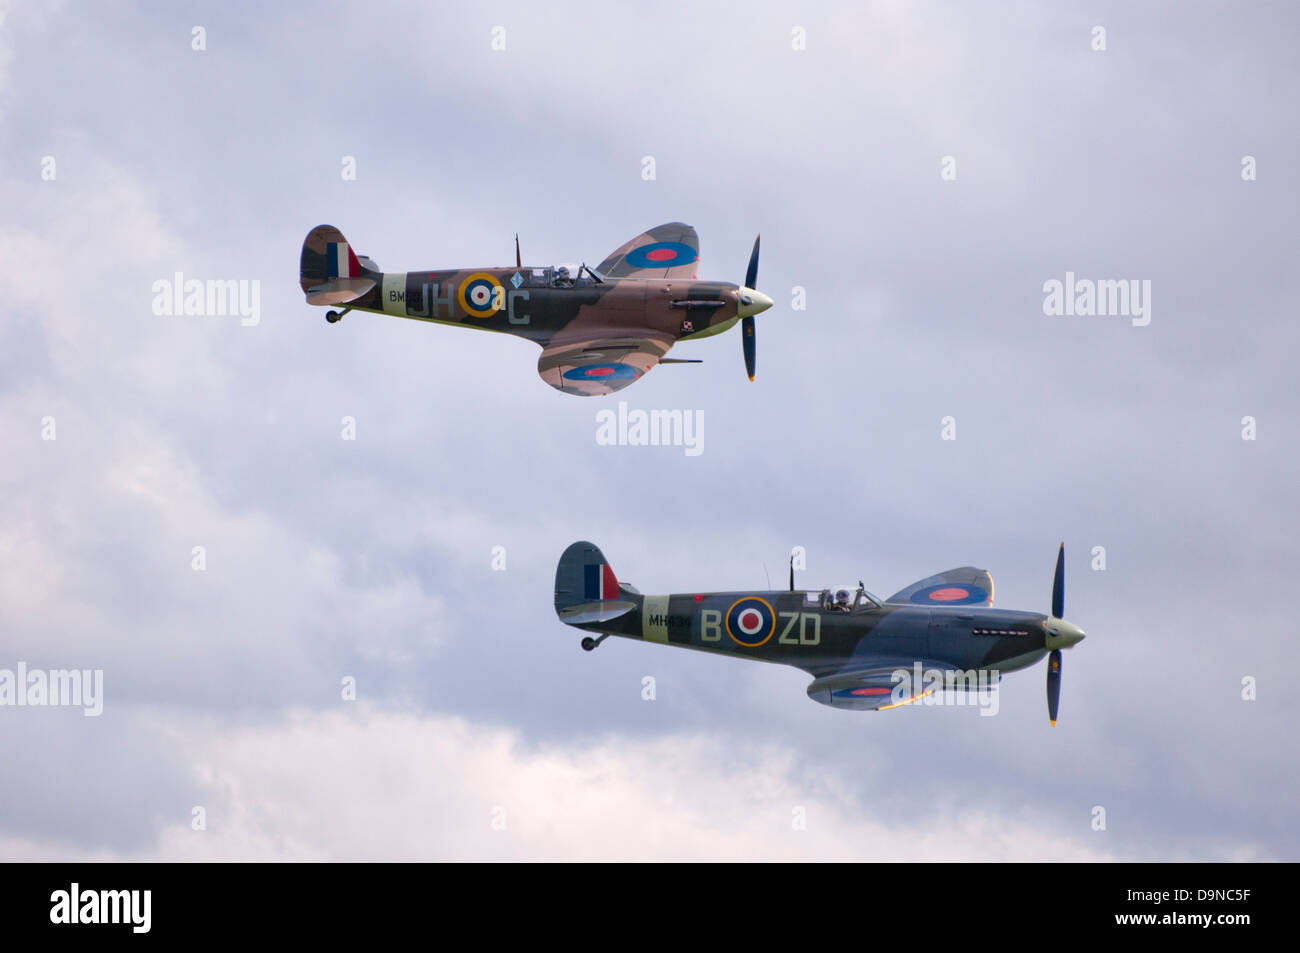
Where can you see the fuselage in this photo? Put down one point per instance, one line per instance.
(799, 629)
(535, 303)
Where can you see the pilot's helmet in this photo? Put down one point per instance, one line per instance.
(843, 597)
(562, 273)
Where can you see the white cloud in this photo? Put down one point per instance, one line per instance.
(99, 525)
(370, 785)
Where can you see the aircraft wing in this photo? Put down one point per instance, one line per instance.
(665, 251)
(966, 586)
(597, 366)
(866, 689)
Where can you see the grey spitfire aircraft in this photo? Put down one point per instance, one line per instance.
(600, 329)
(851, 642)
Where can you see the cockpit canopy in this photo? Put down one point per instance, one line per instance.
(843, 598)
(565, 276)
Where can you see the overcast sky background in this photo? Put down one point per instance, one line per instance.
(372, 558)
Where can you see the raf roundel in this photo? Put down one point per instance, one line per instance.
(947, 594)
(481, 295)
(864, 692)
(662, 255)
(750, 621)
(603, 372)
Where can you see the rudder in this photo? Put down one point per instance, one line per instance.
(584, 575)
(329, 271)
(586, 589)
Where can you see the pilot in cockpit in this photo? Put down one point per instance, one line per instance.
(562, 277)
(843, 600)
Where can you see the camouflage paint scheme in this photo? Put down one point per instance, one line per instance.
(943, 622)
(598, 334)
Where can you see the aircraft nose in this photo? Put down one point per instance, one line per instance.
(1062, 634)
(750, 302)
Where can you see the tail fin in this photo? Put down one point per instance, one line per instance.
(330, 272)
(586, 589)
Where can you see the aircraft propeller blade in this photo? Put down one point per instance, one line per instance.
(1053, 684)
(747, 339)
(1059, 634)
(1058, 586)
(747, 332)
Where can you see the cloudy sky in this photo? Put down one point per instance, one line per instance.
(480, 730)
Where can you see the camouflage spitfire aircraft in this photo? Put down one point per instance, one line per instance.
(852, 643)
(600, 330)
